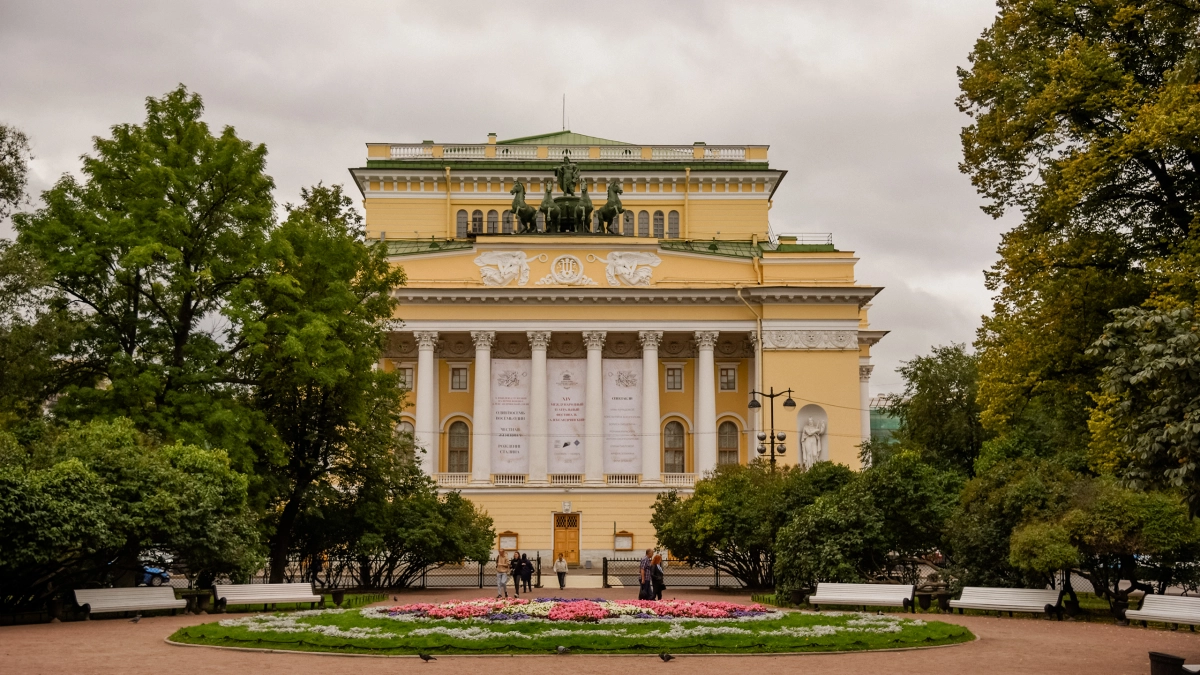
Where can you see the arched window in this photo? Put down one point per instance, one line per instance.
(405, 428)
(477, 221)
(460, 448)
(628, 224)
(658, 224)
(673, 225)
(493, 222)
(727, 443)
(461, 230)
(507, 219)
(643, 223)
(673, 447)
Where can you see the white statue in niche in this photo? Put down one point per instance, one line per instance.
(810, 442)
(631, 267)
(509, 265)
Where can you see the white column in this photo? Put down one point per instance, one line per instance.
(538, 429)
(864, 398)
(594, 408)
(705, 443)
(651, 459)
(481, 436)
(425, 430)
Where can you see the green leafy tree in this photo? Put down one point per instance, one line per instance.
(939, 410)
(14, 168)
(1084, 119)
(312, 325)
(80, 506)
(168, 220)
(730, 522)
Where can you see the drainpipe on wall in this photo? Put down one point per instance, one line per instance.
(687, 212)
(758, 362)
(450, 233)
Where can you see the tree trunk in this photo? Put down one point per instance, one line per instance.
(281, 543)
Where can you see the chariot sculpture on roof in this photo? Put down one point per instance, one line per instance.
(567, 212)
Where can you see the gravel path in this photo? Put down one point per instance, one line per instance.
(1019, 645)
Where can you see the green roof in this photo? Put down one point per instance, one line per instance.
(566, 137)
(721, 247)
(416, 246)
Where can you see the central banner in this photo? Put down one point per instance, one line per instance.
(566, 396)
(622, 416)
(510, 415)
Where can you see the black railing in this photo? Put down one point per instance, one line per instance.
(373, 572)
(676, 574)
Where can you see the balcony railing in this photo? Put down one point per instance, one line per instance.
(566, 479)
(508, 479)
(623, 479)
(679, 479)
(453, 479)
(554, 153)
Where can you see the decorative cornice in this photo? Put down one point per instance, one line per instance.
(594, 339)
(826, 295)
(871, 337)
(810, 339)
(650, 339)
(426, 339)
(539, 339)
(483, 339)
(706, 339)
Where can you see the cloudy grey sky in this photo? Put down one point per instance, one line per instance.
(856, 99)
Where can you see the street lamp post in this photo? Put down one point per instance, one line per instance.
(775, 445)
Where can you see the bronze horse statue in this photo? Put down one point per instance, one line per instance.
(549, 209)
(583, 210)
(611, 211)
(526, 214)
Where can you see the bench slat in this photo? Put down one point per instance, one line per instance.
(245, 594)
(1167, 609)
(861, 594)
(130, 599)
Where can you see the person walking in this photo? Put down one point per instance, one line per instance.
(515, 569)
(644, 592)
(526, 573)
(560, 568)
(502, 569)
(658, 580)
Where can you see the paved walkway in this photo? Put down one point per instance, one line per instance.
(1019, 645)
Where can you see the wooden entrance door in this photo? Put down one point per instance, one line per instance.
(566, 536)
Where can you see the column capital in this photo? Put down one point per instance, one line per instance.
(650, 339)
(594, 339)
(483, 338)
(864, 373)
(538, 339)
(706, 339)
(426, 339)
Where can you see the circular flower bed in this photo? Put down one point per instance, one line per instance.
(576, 610)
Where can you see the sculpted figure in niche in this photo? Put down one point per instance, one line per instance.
(810, 442)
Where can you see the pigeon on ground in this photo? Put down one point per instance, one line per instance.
(665, 657)
(562, 650)
(394, 598)
(426, 658)
(136, 618)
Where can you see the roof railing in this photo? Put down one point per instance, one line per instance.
(699, 152)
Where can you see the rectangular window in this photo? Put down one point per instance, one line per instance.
(674, 378)
(406, 377)
(728, 378)
(458, 379)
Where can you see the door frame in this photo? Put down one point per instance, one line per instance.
(554, 536)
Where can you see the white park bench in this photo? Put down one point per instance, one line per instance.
(268, 594)
(1172, 609)
(130, 599)
(875, 595)
(1009, 600)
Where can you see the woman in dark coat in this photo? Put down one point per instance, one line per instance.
(526, 572)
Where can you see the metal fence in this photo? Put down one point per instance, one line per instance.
(330, 573)
(676, 574)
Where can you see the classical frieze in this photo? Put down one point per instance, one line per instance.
(810, 339)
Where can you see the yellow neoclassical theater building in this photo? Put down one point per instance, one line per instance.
(586, 320)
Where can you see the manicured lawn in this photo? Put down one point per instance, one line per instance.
(349, 631)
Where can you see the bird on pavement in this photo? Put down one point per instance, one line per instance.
(136, 618)
(426, 658)
(665, 657)
(562, 650)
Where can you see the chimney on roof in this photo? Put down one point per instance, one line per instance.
(491, 139)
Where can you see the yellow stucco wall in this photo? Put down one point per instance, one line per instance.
(531, 515)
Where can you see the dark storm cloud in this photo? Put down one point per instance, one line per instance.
(855, 98)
